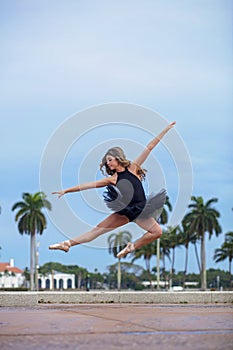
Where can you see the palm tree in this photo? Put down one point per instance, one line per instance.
(194, 241)
(117, 242)
(31, 220)
(164, 252)
(187, 237)
(164, 249)
(162, 221)
(164, 215)
(201, 219)
(225, 252)
(146, 251)
(174, 240)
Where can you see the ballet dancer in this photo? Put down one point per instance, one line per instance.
(125, 196)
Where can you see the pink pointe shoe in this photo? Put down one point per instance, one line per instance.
(65, 246)
(128, 249)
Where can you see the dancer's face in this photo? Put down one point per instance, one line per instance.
(112, 162)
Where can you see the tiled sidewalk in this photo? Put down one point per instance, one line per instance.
(117, 326)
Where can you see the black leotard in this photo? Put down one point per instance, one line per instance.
(132, 196)
(131, 187)
(128, 198)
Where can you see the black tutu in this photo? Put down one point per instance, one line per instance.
(151, 207)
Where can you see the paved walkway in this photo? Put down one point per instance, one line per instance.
(117, 326)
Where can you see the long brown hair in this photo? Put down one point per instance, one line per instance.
(119, 155)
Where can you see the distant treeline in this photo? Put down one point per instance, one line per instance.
(133, 276)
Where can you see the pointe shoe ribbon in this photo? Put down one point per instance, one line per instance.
(128, 249)
(60, 246)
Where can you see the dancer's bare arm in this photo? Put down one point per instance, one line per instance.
(87, 185)
(151, 145)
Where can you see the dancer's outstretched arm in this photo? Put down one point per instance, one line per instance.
(86, 186)
(151, 145)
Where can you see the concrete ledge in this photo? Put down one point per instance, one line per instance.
(148, 297)
(18, 298)
(136, 297)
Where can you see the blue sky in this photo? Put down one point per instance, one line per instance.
(62, 57)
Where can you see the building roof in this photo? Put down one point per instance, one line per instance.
(6, 266)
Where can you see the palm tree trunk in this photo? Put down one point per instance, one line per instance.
(230, 272)
(32, 261)
(79, 280)
(197, 257)
(172, 267)
(36, 266)
(158, 263)
(119, 275)
(185, 265)
(203, 262)
(164, 263)
(164, 270)
(148, 271)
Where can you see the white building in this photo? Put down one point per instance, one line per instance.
(11, 276)
(57, 280)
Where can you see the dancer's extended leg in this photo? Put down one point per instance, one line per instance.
(110, 223)
(154, 232)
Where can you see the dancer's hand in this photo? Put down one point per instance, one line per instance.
(171, 125)
(60, 193)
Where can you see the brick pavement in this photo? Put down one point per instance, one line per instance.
(117, 326)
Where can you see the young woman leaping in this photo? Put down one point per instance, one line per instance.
(125, 196)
